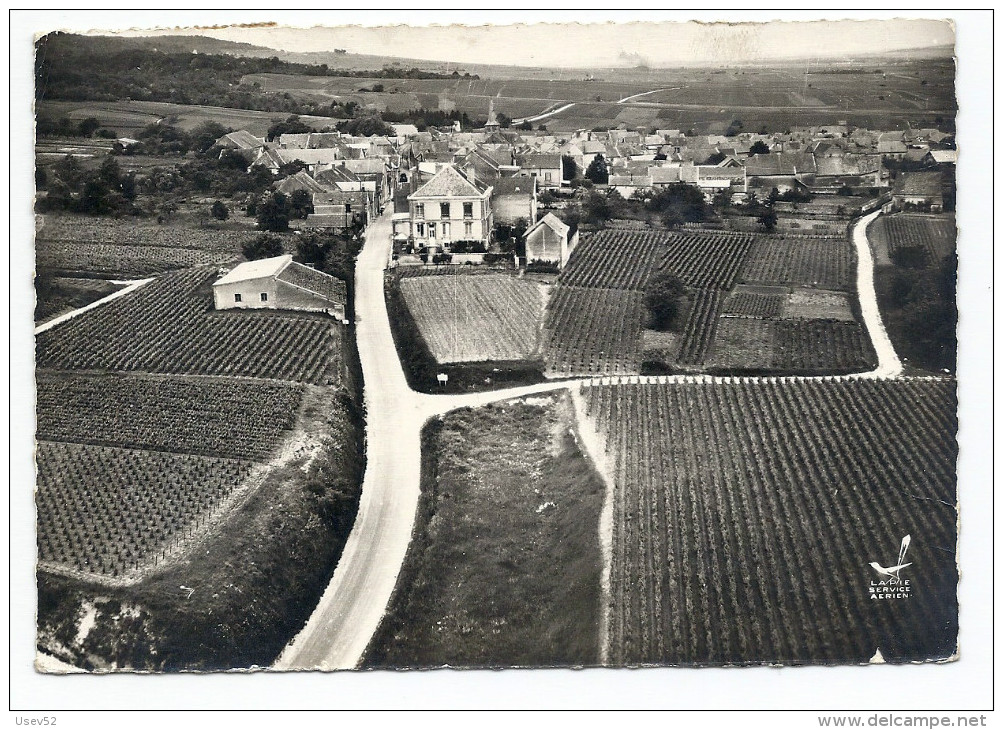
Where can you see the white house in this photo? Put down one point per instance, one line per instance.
(450, 207)
(548, 241)
(279, 283)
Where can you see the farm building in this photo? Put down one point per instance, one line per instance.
(450, 207)
(920, 190)
(548, 241)
(513, 198)
(279, 283)
(547, 169)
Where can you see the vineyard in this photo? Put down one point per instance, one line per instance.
(794, 346)
(701, 324)
(825, 263)
(170, 326)
(232, 419)
(106, 511)
(706, 259)
(140, 232)
(122, 261)
(613, 259)
(746, 514)
(758, 304)
(476, 318)
(935, 237)
(593, 331)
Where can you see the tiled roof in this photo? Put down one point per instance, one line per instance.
(513, 185)
(780, 163)
(300, 181)
(448, 183)
(242, 139)
(554, 223)
(326, 286)
(925, 184)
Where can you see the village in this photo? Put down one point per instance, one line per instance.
(456, 196)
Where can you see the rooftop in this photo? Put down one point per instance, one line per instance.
(259, 269)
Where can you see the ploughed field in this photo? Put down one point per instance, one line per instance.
(476, 318)
(131, 467)
(746, 515)
(793, 314)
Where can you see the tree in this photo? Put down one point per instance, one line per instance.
(569, 166)
(300, 204)
(504, 120)
(662, 297)
(88, 126)
(595, 208)
(366, 127)
(767, 220)
(759, 147)
(272, 213)
(264, 246)
(679, 201)
(291, 125)
(204, 136)
(219, 210)
(598, 170)
(526, 126)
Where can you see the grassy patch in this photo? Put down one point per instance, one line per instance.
(504, 567)
(55, 296)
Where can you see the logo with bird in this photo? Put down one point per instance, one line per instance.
(892, 573)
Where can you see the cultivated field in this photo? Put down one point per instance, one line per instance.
(745, 516)
(230, 418)
(504, 565)
(811, 346)
(171, 326)
(127, 118)
(132, 466)
(613, 259)
(593, 331)
(707, 259)
(120, 261)
(57, 295)
(476, 318)
(698, 332)
(934, 237)
(105, 511)
(824, 263)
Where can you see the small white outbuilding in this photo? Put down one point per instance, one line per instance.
(280, 283)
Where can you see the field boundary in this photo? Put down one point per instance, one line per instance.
(133, 286)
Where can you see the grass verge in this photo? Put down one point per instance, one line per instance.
(504, 566)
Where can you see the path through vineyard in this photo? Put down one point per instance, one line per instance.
(349, 612)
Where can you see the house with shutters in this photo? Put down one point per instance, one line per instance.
(280, 283)
(450, 207)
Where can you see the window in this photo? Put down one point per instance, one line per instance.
(444, 210)
(420, 228)
(546, 176)
(445, 230)
(419, 210)
(348, 208)
(431, 230)
(264, 296)
(468, 210)
(468, 229)
(236, 298)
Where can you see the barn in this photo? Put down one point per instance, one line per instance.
(280, 283)
(548, 241)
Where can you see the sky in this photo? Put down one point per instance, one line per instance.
(593, 44)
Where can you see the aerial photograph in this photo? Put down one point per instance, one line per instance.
(412, 347)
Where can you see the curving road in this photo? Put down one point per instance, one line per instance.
(337, 633)
(889, 364)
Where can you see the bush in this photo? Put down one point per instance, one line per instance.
(543, 267)
(262, 247)
(442, 258)
(662, 298)
(219, 210)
